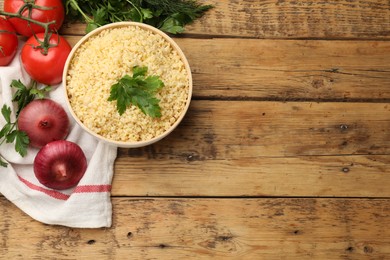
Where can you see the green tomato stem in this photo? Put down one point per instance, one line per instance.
(17, 15)
(44, 45)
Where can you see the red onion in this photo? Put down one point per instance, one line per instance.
(44, 121)
(60, 165)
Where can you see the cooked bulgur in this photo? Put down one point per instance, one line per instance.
(104, 59)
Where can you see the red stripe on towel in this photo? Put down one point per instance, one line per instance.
(61, 196)
(52, 193)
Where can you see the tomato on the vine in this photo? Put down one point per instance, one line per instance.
(8, 42)
(42, 11)
(44, 67)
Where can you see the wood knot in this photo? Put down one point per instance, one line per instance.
(317, 83)
(91, 242)
(368, 249)
(333, 70)
(297, 232)
(224, 238)
(343, 127)
(190, 157)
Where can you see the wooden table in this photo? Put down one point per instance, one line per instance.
(284, 153)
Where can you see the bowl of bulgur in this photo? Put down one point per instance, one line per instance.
(104, 56)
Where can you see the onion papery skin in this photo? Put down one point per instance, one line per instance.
(60, 165)
(44, 121)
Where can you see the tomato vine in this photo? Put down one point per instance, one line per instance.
(29, 6)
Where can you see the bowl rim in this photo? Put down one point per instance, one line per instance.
(132, 144)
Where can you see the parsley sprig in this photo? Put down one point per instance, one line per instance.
(168, 15)
(24, 95)
(9, 133)
(137, 90)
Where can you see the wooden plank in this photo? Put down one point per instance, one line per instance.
(297, 19)
(287, 19)
(287, 70)
(320, 176)
(210, 229)
(290, 19)
(233, 148)
(236, 129)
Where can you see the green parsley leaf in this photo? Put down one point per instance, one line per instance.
(11, 136)
(139, 71)
(147, 13)
(3, 163)
(135, 15)
(139, 91)
(10, 133)
(24, 95)
(153, 83)
(100, 16)
(172, 25)
(5, 130)
(40, 93)
(6, 112)
(21, 142)
(149, 105)
(91, 26)
(121, 93)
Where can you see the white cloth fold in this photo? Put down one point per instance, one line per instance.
(88, 205)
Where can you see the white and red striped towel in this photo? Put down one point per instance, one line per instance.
(88, 205)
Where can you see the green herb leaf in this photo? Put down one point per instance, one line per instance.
(11, 136)
(139, 71)
(121, 93)
(147, 13)
(91, 26)
(149, 105)
(139, 91)
(24, 95)
(153, 83)
(21, 143)
(3, 163)
(6, 112)
(168, 15)
(40, 93)
(135, 15)
(10, 133)
(172, 25)
(5, 130)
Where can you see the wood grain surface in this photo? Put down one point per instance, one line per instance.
(210, 229)
(290, 19)
(284, 153)
(272, 149)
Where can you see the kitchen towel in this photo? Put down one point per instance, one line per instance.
(88, 205)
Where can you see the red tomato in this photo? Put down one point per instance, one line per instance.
(46, 69)
(55, 12)
(8, 42)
